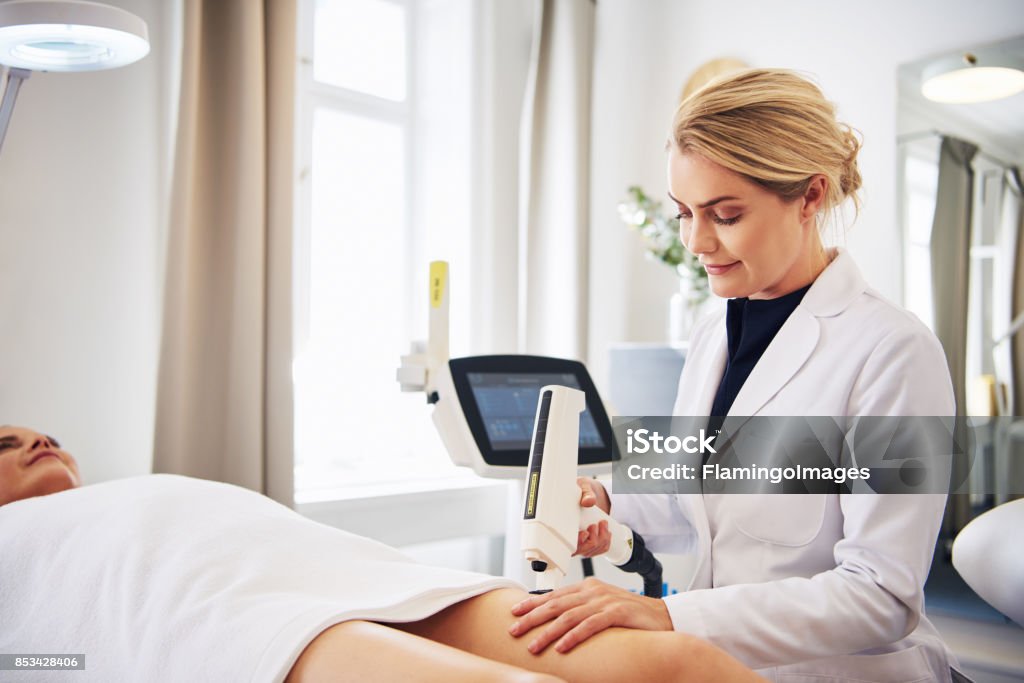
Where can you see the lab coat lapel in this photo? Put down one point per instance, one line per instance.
(837, 286)
(787, 353)
(781, 360)
(697, 387)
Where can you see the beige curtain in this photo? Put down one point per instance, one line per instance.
(950, 257)
(1011, 222)
(555, 182)
(951, 261)
(224, 396)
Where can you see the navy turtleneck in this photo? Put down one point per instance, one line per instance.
(751, 324)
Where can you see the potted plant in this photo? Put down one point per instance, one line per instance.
(660, 235)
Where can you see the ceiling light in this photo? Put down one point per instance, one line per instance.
(972, 78)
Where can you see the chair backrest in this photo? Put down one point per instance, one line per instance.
(990, 557)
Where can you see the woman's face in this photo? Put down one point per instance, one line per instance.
(32, 464)
(751, 243)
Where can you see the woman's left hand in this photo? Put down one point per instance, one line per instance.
(579, 611)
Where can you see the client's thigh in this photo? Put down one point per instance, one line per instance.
(480, 625)
(364, 652)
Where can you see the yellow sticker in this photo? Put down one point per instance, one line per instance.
(531, 498)
(438, 282)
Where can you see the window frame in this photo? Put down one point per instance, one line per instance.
(310, 94)
(400, 512)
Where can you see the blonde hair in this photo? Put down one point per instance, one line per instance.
(775, 128)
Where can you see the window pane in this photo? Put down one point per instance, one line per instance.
(360, 45)
(352, 424)
(918, 283)
(920, 215)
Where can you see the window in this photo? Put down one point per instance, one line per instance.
(920, 182)
(989, 309)
(384, 111)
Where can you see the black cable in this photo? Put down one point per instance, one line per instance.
(643, 562)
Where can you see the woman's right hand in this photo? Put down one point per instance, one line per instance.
(595, 539)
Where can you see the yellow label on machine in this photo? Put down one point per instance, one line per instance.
(531, 495)
(438, 282)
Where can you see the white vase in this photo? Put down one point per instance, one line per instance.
(683, 310)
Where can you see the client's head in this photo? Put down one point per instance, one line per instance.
(33, 464)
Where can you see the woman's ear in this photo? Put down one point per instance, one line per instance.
(814, 197)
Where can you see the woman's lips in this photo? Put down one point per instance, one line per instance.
(720, 269)
(39, 456)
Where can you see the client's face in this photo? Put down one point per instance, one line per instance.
(32, 464)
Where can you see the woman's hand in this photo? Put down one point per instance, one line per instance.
(576, 612)
(595, 539)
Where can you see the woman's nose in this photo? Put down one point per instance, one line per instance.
(702, 239)
(40, 442)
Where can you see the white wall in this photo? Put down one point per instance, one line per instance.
(82, 178)
(647, 50)
(636, 84)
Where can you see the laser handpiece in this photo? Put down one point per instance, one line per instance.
(552, 514)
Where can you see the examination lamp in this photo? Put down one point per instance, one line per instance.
(64, 35)
(971, 78)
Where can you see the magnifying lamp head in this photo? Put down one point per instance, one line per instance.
(69, 35)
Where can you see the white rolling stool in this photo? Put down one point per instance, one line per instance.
(989, 556)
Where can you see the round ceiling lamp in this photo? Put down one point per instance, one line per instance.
(971, 78)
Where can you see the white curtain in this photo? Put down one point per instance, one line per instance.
(554, 185)
(224, 389)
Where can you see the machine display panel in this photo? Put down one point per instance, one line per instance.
(508, 406)
(498, 396)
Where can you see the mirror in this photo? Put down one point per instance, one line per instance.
(960, 213)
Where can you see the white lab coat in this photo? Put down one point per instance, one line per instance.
(812, 587)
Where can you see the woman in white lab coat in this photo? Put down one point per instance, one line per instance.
(799, 587)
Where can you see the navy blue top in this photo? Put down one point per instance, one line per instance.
(751, 324)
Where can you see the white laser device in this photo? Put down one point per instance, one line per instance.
(552, 514)
(487, 410)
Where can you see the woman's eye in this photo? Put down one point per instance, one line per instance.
(686, 215)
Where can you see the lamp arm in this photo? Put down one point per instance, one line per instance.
(14, 79)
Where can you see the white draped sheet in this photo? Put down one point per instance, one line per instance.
(169, 578)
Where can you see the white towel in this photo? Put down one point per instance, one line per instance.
(166, 578)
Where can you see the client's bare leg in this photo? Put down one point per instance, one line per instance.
(480, 625)
(364, 652)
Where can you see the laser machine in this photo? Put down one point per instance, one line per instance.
(487, 410)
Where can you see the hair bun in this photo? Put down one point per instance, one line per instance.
(849, 179)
